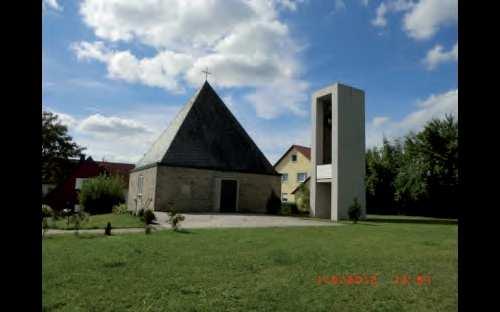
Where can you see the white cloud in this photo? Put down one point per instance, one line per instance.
(380, 19)
(119, 138)
(161, 71)
(435, 106)
(103, 126)
(365, 2)
(387, 7)
(65, 119)
(243, 43)
(52, 4)
(378, 121)
(425, 18)
(339, 5)
(271, 100)
(436, 56)
(422, 19)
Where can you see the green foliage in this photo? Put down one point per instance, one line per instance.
(77, 218)
(57, 148)
(107, 229)
(100, 194)
(302, 198)
(148, 216)
(120, 209)
(140, 213)
(273, 205)
(354, 210)
(175, 219)
(418, 175)
(288, 209)
(47, 211)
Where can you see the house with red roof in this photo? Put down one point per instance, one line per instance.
(295, 169)
(65, 195)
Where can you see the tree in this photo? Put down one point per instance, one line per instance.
(302, 198)
(382, 166)
(429, 176)
(57, 148)
(417, 175)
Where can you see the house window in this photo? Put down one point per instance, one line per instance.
(294, 157)
(301, 176)
(79, 183)
(284, 177)
(283, 197)
(140, 183)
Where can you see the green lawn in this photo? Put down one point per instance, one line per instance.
(273, 269)
(99, 222)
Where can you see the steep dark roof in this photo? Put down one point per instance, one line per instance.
(205, 134)
(306, 151)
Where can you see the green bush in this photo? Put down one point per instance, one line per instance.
(355, 211)
(99, 195)
(120, 209)
(288, 209)
(302, 198)
(77, 219)
(47, 212)
(273, 205)
(107, 229)
(149, 216)
(140, 214)
(175, 219)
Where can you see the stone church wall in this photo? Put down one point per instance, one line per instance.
(135, 201)
(197, 190)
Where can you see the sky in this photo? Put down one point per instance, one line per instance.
(116, 72)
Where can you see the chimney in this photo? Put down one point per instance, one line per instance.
(82, 157)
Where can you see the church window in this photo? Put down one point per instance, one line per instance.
(140, 183)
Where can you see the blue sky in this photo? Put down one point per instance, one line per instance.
(116, 72)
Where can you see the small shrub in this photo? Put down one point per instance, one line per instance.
(355, 211)
(77, 219)
(273, 205)
(175, 219)
(149, 216)
(148, 228)
(47, 212)
(120, 209)
(140, 214)
(100, 194)
(302, 198)
(107, 229)
(288, 209)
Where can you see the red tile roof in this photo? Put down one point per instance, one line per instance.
(306, 151)
(116, 168)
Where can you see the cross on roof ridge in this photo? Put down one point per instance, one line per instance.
(206, 72)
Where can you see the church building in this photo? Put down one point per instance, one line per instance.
(203, 162)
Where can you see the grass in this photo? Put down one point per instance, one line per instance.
(99, 222)
(264, 269)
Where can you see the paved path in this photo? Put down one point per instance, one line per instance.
(212, 220)
(95, 231)
(218, 220)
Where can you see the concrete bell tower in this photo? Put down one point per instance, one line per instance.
(338, 151)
